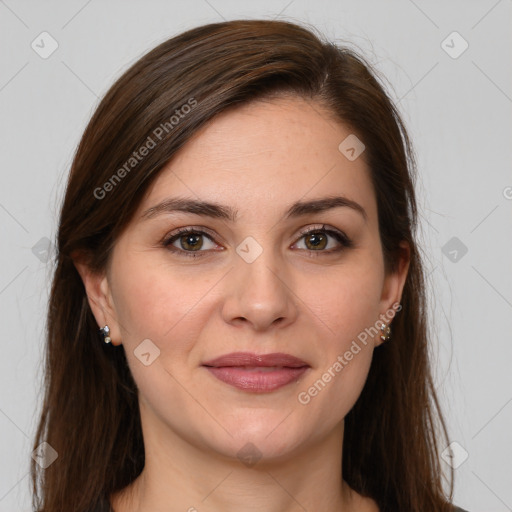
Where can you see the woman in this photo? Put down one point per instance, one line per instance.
(239, 224)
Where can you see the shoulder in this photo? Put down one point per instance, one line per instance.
(458, 509)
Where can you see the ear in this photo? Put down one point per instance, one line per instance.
(100, 298)
(394, 282)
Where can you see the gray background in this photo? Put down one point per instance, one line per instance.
(458, 111)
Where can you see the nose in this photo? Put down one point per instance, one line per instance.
(260, 294)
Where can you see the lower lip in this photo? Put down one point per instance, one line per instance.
(256, 380)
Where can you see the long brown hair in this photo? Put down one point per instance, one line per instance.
(90, 413)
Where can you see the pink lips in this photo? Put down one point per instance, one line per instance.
(257, 373)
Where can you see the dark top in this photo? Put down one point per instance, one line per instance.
(104, 506)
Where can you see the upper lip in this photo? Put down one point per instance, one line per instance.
(251, 359)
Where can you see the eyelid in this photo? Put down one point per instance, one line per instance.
(167, 241)
(320, 227)
(341, 237)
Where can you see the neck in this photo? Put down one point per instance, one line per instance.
(179, 476)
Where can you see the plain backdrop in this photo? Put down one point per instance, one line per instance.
(449, 70)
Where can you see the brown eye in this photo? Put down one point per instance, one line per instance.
(324, 241)
(190, 242)
(316, 241)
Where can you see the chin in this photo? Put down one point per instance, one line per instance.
(261, 436)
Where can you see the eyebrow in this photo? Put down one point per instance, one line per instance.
(218, 211)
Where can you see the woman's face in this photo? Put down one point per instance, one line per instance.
(251, 281)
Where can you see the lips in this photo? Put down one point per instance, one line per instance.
(256, 360)
(258, 373)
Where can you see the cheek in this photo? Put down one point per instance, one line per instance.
(154, 299)
(331, 392)
(346, 301)
(168, 307)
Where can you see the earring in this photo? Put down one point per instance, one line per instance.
(105, 332)
(386, 332)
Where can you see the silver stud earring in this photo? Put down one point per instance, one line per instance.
(105, 332)
(386, 332)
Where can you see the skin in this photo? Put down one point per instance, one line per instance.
(259, 159)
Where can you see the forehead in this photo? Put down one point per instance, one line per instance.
(265, 155)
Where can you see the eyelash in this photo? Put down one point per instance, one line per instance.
(343, 239)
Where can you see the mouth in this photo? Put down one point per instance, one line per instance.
(257, 373)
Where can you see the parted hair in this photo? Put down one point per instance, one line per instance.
(90, 413)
